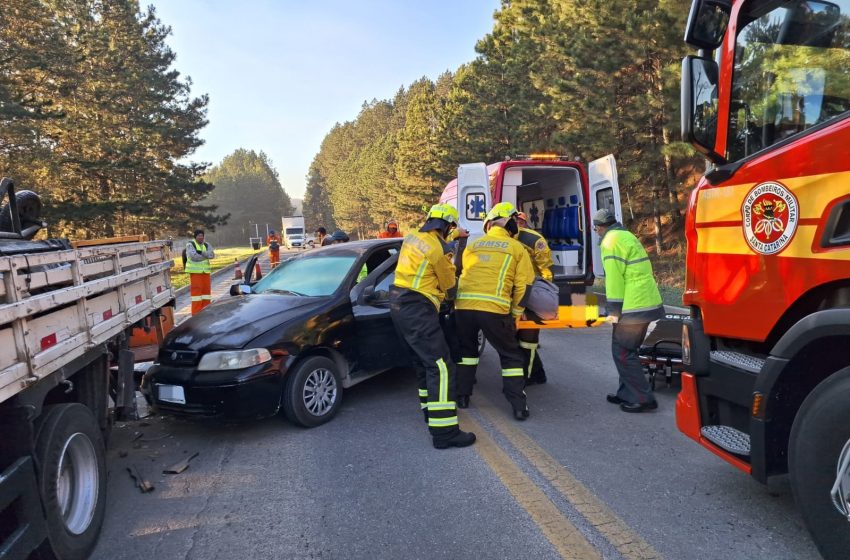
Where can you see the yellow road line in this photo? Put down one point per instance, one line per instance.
(563, 535)
(605, 521)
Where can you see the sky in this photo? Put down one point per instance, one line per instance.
(281, 73)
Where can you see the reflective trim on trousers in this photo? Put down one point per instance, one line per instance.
(528, 345)
(423, 392)
(469, 361)
(513, 372)
(442, 422)
(201, 298)
(450, 405)
(444, 380)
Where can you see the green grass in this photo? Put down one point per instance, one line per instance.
(223, 257)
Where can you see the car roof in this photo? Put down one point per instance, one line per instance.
(357, 247)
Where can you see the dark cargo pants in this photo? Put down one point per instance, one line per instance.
(418, 324)
(625, 343)
(529, 342)
(500, 331)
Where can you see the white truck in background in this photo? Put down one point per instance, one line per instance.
(69, 316)
(292, 232)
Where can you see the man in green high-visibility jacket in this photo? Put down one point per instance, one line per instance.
(633, 303)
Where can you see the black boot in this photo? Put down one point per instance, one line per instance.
(521, 415)
(458, 439)
(425, 414)
(462, 401)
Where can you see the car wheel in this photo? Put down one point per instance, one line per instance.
(313, 392)
(818, 464)
(71, 461)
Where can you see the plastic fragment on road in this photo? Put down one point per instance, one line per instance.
(180, 466)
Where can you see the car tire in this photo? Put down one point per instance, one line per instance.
(71, 461)
(818, 436)
(313, 392)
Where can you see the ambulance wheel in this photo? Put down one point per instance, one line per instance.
(818, 461)
(313, 392)
(71, 462)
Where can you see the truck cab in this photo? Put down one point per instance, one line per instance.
(557, 194)
(767, 372)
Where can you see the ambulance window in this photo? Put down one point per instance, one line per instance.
(792, 71)
(605, 199)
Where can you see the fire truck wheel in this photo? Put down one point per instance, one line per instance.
(818, 436)
(71, 462)
(313, 392)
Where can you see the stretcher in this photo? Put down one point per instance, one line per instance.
(661, 351)
(582, 314)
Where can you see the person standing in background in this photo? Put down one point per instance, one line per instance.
(198, 257)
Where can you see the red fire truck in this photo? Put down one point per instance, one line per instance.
(767, 344)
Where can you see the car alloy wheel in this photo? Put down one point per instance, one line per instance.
(320, 391)
(313, 391)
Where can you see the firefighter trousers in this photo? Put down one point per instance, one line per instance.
(625, 343)
(529, 341)
(274, 257)
(200, 291)
(500, 331)
(418, 324)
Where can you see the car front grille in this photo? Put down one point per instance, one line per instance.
(173, 357)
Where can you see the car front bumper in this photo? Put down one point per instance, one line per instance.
(236, 394)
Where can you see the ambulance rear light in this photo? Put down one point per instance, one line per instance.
(686, 345)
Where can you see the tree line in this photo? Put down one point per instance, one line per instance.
(94, 119)
(582, 78)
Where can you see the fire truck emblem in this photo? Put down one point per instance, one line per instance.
(770, 215)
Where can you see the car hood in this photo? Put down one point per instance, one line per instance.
(233, 322)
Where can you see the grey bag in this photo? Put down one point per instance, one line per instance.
(542, 299)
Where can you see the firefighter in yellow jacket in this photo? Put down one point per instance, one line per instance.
(424, 276)
(490, 298)
(541, 260)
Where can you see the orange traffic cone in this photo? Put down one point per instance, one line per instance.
(237, 273)
(259, 272)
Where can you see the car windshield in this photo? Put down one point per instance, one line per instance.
(310, 276)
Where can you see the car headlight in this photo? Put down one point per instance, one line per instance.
(234, 359)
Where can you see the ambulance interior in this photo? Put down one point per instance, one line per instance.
(553, 200)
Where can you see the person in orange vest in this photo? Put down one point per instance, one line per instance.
(273, 241)
(390, 231)
(198, 256)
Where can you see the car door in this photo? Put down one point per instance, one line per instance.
(604, 193)
(378, 346)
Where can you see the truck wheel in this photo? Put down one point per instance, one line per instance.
(313, 392)
(71, 463)
(819, 434)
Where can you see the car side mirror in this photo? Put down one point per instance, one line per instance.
(367, 296)
(240, 289)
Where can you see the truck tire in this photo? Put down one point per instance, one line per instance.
(313, 392)
(71, 462)
(820, 431)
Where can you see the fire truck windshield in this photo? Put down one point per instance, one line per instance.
(792, 71)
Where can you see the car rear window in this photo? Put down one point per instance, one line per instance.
(313, 276)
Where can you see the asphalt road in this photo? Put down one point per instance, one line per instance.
(580, 479)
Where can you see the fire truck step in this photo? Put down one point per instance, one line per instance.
(728, 438)
(737, 360)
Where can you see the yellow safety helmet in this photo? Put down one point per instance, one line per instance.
(445, 212)
(501, 210)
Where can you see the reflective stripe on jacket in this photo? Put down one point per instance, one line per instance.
(538, 250)
(496, 272)
(425, 266)
(198, 258)
(629, 285)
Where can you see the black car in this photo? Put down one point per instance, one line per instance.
(317, 324)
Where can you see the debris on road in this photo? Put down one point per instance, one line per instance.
(143, 484)
(180, 466)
